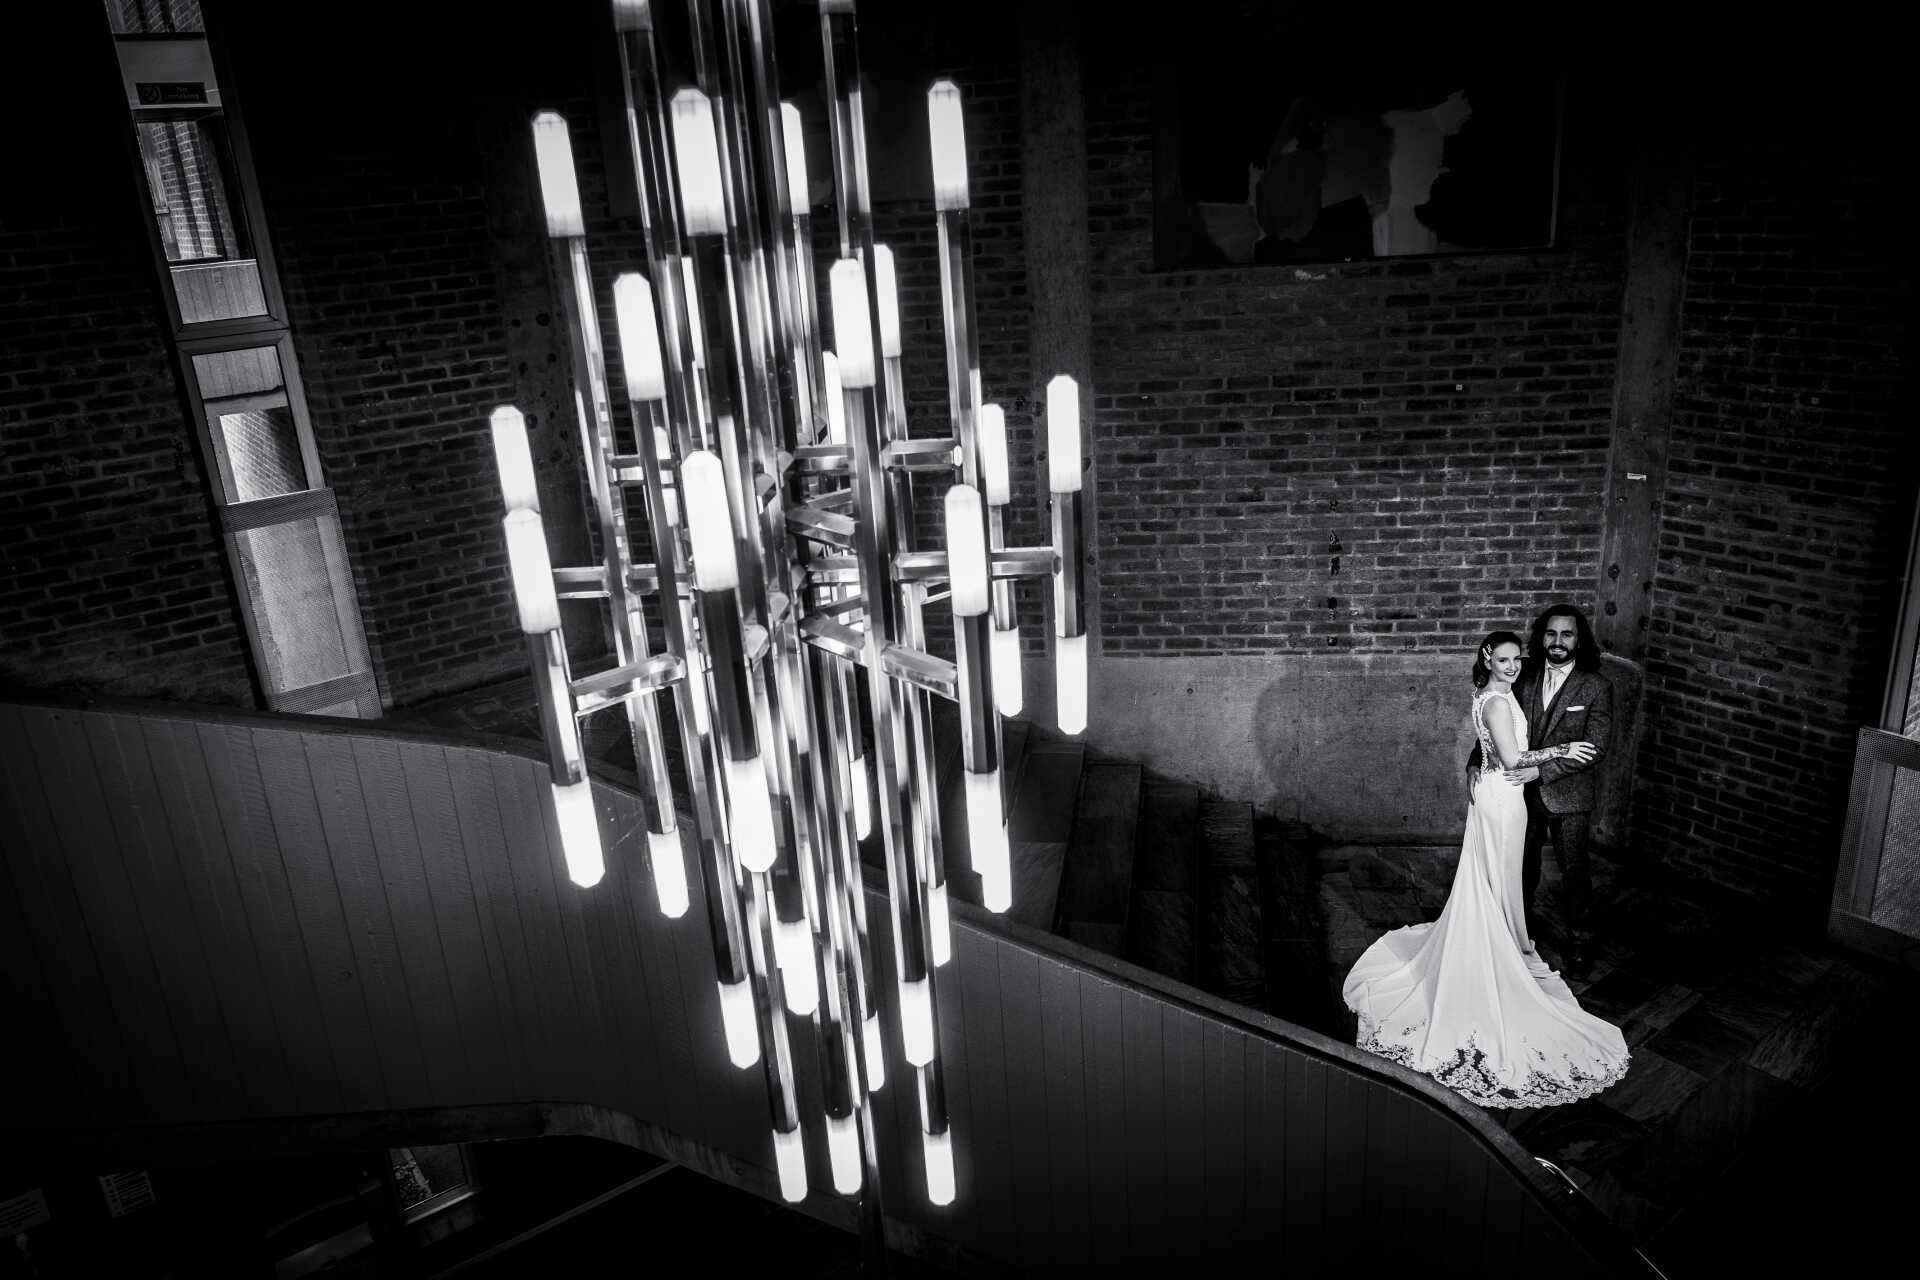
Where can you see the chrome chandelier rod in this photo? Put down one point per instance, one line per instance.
(772, 477)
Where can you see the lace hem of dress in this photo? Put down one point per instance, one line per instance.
(1466, 1074)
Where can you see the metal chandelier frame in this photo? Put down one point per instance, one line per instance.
(776, 480)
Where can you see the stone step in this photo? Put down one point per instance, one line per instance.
(1096, 884)
(1228, 916)
(1042, 824)
(1292, 936)
(1160, 921)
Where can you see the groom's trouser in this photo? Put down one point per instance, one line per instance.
(1568, 831)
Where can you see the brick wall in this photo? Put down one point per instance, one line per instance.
(1328, 458)
(111, 574)
(1788, 504)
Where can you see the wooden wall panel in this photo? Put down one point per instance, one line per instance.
(210, 922)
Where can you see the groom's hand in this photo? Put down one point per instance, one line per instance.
(1473, 780)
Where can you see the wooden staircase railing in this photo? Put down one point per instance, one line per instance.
(222, 930)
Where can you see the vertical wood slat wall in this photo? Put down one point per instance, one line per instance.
(206, 921)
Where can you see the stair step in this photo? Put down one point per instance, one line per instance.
(1096, 884)
(1040, 828)
(1160, 919)
(1228, 915)
(962, 883)
(1292, 936)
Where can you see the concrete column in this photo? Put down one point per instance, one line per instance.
(1053, 190)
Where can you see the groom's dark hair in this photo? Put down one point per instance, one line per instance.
(1586, 650)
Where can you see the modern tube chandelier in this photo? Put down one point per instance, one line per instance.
(771, 479)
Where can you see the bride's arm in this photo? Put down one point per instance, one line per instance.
(1507, 747)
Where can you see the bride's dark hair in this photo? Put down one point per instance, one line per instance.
(1481, 671)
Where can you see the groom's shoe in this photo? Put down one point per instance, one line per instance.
(1579, 959)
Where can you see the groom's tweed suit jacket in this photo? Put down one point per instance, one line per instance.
(1581, 711)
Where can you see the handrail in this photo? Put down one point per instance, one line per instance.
(1103, 1108)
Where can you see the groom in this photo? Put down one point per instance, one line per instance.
(1565, 699)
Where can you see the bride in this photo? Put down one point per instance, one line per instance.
(1467, 999)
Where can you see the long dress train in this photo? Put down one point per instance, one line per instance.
(1467, 999)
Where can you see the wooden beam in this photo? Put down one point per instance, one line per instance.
(1650, 332)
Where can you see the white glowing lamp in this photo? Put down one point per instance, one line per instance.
(916, 1021)
(579, 832)
(987, 840)
(939, 1148)
(990, 426)
(703, 206)
(939, 924)
(791, 1157)
(559, 189)
(1063, 435)
(1070, 682)
(948, 135)
(514, 458)
(793, 951)
(887, 285)
(709, 527)
(862, 799)
(669, 872)
(852, 330)
(1008, 695)
(736, 1017)
(796, 146)
(532, 572)
(874, 1050)
(639, 336)
(843, 1153)
(836, 398)
(966, 551)
(751, 813)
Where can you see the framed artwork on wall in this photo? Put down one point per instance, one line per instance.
(1273, 146)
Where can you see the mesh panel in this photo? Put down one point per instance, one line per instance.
(297, 589)
(263, 451)
(1896, 894)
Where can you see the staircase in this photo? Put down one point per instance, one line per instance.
(1150, 870)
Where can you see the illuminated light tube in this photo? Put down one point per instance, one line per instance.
(887, 286)
(990, 425)
(794, 136)
(987, 840)
(836, 398)
(751, 811)
(1063, 435)
(559, 189)
(709, 526)
(1070, 682)
(862, 799)
(702, 204)
(790, 1154)
(874, 1050)
(966, 551)
(639, 337)
(947, 133)
(669, 867)
(736, 1015)
(514, 458)
(939, 1149)
(852, 330)
(793, 950)
(916, 1021)
(579, 832)
(843, 1153)
(1008, 693)
(939, 924)
(532, 572)
(631, 15)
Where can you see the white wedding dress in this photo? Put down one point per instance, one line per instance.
(1467, 999)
